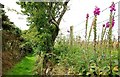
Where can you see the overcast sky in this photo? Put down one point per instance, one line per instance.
(75, 16)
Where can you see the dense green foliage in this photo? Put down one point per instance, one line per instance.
(80, 59)
(14, 33)
(32, 38)
(74, 60)
(10, 33)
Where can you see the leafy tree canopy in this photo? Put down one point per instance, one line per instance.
(46, 17)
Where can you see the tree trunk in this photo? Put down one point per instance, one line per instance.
(47, 63)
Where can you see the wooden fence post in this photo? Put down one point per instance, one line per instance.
(71, 35)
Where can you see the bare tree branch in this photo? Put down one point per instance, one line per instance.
(63, 12)
(52, 17)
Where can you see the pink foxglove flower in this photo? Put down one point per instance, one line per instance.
(97, 11)
(108, 23)
(112, 7)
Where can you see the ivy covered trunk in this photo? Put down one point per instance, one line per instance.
(48, 61)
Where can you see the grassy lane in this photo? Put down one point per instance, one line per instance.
(24, 67)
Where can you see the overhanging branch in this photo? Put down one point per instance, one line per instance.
(63, 12)
(53, 18)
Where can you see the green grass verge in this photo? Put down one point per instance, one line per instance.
(24, 67)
